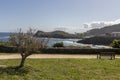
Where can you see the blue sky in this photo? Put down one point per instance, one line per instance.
(49, 15)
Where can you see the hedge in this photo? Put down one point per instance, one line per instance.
(77, 51)
(6, 49)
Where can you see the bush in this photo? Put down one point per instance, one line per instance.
(115, 44)
(58, 44)
(6, 49)
(3, 43)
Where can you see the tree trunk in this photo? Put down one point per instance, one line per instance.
(21, 63)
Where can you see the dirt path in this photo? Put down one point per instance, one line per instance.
(17, 56)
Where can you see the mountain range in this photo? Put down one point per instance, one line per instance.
(97, 37)
(93, 32)
(104, 30)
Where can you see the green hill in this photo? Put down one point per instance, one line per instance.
(104, 30)
(56, 34)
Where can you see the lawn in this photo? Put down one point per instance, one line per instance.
(62, 69)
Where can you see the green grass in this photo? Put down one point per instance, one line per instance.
(62, 69)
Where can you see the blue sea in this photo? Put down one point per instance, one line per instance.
(4, 36)
(66, 42)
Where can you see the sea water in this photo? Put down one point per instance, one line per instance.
(52, 41)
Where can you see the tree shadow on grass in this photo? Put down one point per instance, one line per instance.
(11, 71)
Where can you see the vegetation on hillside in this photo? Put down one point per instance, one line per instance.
(95, 32)
(57, 34)
(104, 30)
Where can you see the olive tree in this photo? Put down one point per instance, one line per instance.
(26, 43)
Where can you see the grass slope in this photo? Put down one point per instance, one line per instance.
(62, 69)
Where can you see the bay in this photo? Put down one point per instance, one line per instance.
(67, 42)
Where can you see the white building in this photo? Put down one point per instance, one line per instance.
(115, 34)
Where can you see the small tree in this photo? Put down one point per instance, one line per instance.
(115, 43)
(26, 44)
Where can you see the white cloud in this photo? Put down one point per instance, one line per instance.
(100, 24)
(69, 29)
(83, 28)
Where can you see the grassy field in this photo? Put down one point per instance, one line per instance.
(62, 69)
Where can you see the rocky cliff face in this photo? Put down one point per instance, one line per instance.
(99, 40)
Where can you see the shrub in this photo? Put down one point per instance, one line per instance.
(6, 49)
(58, 44)
(115, 43)
(3, 43)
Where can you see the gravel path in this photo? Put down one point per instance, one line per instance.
(17, 56)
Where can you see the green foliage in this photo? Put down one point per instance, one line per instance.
(4, 43)
(115, 43)
(58, 44)
(62, 69)
(1, 43)
(58, 34)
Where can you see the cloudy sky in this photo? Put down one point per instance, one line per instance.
(48, 15)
